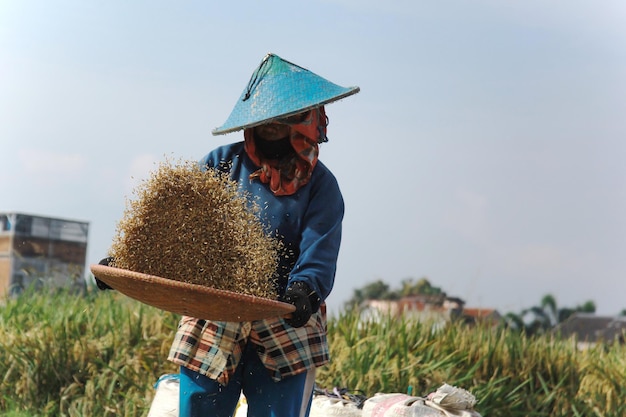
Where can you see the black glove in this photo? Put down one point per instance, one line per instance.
(103, 285)
(304, 299)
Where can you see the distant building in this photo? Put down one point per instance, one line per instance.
(589, 329)
(41, 251)
(419, 309)
(485, 316)
(438, 309)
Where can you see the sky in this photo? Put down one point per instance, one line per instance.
(485, 152)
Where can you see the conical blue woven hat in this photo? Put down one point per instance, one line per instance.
(280, 89)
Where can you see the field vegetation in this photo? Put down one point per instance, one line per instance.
(99, 355)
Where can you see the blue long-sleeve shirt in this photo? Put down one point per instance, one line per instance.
(307, 222)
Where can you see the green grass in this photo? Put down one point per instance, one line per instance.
(511, 375)
(75, 356)
(99, 355)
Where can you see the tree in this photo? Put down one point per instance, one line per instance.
(379, 290)
(545, 316)
(514, 321)
(421, 287)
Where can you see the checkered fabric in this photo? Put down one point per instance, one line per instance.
(214, 349)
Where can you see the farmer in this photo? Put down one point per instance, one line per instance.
(273, 361)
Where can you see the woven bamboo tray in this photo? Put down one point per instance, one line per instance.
(190, 299)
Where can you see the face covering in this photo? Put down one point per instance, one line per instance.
(293, 170)
(273, 149)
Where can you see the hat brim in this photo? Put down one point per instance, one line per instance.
(230, 127)
(190, 299)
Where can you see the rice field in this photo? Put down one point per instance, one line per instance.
(99, 355)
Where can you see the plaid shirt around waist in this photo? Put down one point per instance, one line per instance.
(214, 349)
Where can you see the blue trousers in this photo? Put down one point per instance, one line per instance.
(204, 397)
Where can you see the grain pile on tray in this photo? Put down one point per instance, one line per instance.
(193, 226)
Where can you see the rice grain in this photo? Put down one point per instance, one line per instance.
(194, 226)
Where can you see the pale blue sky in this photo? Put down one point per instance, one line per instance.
(485, 151)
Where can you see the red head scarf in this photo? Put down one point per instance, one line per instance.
(287, 175)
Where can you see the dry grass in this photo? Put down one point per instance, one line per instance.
(194, 226)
